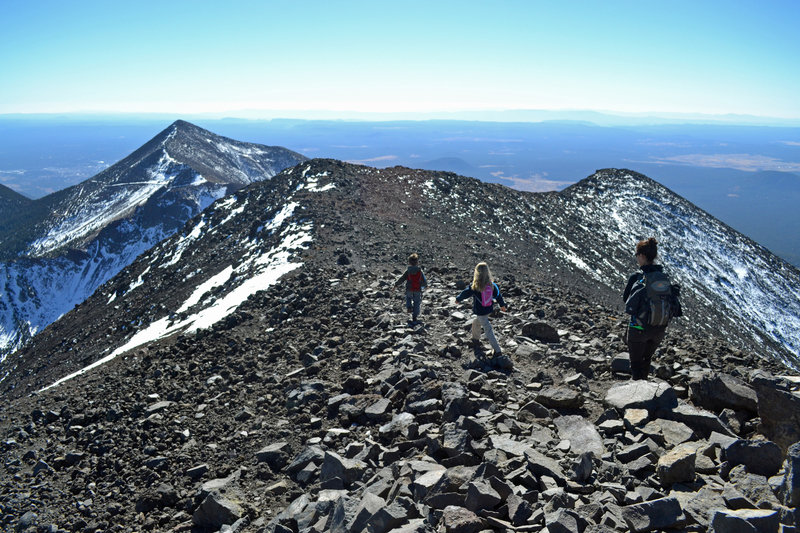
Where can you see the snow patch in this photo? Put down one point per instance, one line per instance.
(257, 273)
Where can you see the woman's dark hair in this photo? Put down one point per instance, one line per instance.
(648, 248)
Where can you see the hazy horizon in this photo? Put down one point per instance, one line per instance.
(708, 58)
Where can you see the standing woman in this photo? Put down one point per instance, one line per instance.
(643, 338)
(483, 291)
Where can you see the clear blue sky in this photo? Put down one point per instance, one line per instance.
(168, 56)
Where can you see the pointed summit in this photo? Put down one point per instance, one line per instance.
(72, 241)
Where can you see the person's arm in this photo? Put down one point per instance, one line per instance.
(636, 276)
(466, 293)
(424, 280)
(499, 298)
(402, 279)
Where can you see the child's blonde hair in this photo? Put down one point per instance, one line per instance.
(482, 277)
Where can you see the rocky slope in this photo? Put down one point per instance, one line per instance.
(62, 247)
(313, 405)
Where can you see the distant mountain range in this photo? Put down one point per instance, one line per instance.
(57, 250)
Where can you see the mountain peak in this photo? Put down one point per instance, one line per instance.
(62, 247)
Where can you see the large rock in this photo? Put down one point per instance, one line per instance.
(642, 394)
(582, 435)
(703, 422)
(541, 465)
(749, 520)
(456, 401)
(387, 518)
(275, 455)
(424, 483)
(791, 487)
(336, 466)
(216, 511)
(481, 495)
(778, 407)
(700, 506)
(541, 331)
(663, 513)
(670, 432)
(560, 398)
(721, 391)
(677, 465)
(564, 521)
(310, 454)
(460, 520)
(758, 456)
(369, 505)
(754, 488)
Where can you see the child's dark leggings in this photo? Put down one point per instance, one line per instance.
(641, 347)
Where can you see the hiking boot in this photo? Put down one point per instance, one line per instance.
(503, 362)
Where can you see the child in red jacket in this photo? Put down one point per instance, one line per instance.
(415, 283)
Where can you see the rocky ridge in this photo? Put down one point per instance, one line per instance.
(320, 408)
(316, 406)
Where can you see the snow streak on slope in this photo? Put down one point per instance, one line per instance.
(41, 290)
(222, 293)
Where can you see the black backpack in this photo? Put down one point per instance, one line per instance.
(654, 300)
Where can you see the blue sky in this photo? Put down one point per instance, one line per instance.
(277, 57)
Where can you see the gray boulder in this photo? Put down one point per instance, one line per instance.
(369, 505)
(336, 466)
(642, 395)
(758, 456)
(275, 455)
(460, 520)
(216, 511)
(387, 518)
(541, 331)
(700, 506)
(779, 409)
(677, 465)
(582, 435)
(745, 520)
(669, 432)
(791, 487)
(481, 495)
(310, 454)
(722, 391)
(703, 422)
(560, 398)
(663, 513)
(564, 521)
(754, 488)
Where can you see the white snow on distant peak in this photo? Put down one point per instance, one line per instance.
(98, 208)
(248, 151)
